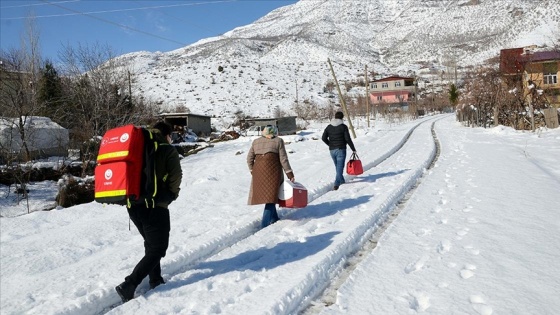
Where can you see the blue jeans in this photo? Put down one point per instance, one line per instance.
(339, 158)
(269, 215)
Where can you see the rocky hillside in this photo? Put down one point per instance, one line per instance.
(282, 57)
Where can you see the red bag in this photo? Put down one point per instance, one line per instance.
(354, 166)
(119, 169)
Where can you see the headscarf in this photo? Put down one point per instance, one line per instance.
(269, 132)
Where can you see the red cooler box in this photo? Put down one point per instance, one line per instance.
(292, 195)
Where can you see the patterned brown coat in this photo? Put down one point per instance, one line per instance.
(266, 160)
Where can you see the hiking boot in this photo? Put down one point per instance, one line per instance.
(155, 283)
(335, 188)
(126, 291)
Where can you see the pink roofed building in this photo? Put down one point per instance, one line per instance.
(393, 90)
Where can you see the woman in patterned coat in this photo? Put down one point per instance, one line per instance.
(266, 160)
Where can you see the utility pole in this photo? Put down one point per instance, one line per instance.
(297, 98)
(367, 97)
(531, 110)
(342, 100)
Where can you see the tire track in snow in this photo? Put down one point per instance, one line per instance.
(195, 256)
(328, 296)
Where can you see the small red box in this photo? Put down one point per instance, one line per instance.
(292, 195)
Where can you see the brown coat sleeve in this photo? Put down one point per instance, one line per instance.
(284, 158)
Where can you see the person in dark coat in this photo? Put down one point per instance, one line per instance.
(337, 137)
(153, 221)
(266, 160)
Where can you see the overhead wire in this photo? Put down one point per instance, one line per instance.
(33, 4)
(110, 11)
(115, 23)
(183, 20)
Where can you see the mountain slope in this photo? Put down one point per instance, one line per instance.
(282, 57)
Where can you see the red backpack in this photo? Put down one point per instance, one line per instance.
(125, 172)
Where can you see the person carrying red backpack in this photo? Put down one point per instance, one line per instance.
(152, 219)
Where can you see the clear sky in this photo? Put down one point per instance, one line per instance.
(126, 26)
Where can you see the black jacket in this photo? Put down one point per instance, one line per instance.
(336, 136)
(168, 172)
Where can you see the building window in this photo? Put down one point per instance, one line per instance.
(385, 85)
(375, 85)
(397, 84)
(379, 98)
(550, 78)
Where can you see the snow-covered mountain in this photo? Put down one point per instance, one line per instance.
(282, 57)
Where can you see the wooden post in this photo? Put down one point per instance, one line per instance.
(531, 87)
(367, 98)
(342, 100)
(532, 112)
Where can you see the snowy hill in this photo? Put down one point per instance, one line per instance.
(282, 57)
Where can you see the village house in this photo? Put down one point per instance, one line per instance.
(538, 70)
(393, 90)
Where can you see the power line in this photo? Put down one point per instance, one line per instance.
(107, 11)
(35, 4)
(114, 23)
(185, 21)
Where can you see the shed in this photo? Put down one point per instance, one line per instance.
(199, 124)
(286, 125)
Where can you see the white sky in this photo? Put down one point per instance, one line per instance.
(478, 235)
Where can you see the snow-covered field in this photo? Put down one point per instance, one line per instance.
(478, 234)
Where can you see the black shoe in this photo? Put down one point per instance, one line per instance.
(155, 283)
(335, 188)
(126, 291)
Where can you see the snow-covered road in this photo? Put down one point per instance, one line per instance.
(296, 258)
(447, 249)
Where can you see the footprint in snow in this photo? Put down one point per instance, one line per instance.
(418, 301)
(468, 271)
(472, 250)
(467, 209)
(444, 246)
(463, 232)
(479, 305)
(472, 220)
(443, 285)
(424, 232)
(436, 210)
(417, 265)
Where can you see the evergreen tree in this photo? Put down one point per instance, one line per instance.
(50, 94)
(453, 95)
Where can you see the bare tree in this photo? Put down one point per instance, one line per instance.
(306, 110)
(18, 84)
(98, 89)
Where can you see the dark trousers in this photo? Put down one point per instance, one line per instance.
(154, 226)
